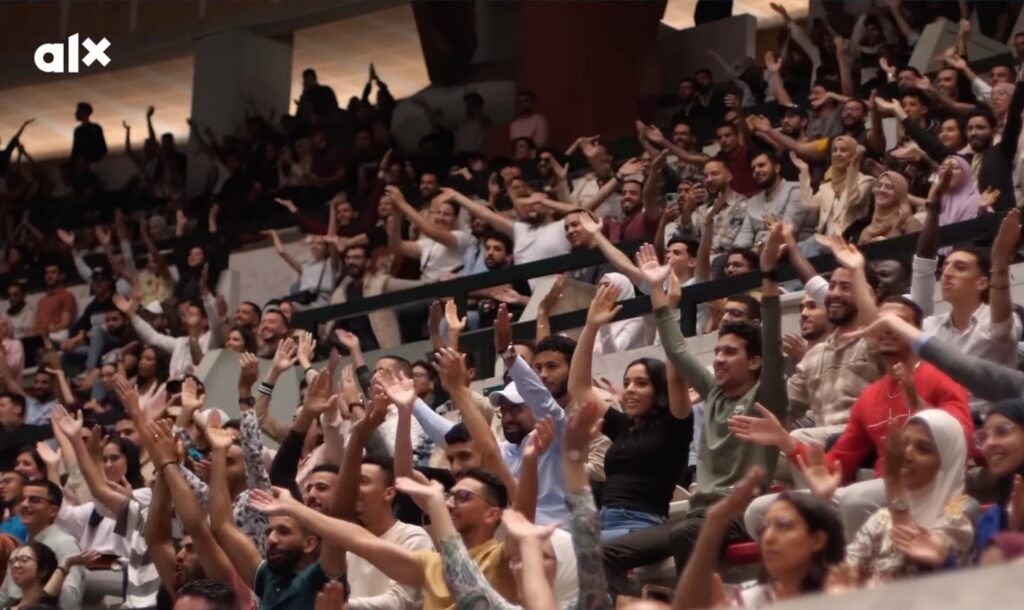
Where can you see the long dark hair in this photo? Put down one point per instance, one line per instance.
(819, 517)
(247, 337)
(38, 459)
(46, 561)
(163, 363)
(659, 381)
(133, 473)
(1013, 410)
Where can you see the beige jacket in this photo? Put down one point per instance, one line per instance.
(829, 379)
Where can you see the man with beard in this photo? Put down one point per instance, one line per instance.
(908, 386)
(429, 187)
(725, 210)
(736, 156)
(56, 309)
(14, 432)
(986, 330)
(685, 158)
(991, 164)
(814, 327)
(247, 315)
(538, 236)
(777, 198)
(11, 485)
(199, 555)
(893, 277)
(200, 335)
(39, 400)
(272, 329)
(364, 491)
(19, 312)
(86, 336)
(834, 372)
(40, 504)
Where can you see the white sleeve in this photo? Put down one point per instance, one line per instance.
(922, 284)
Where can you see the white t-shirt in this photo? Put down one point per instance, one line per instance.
(537, 242)
(371, 588)
(437, 258)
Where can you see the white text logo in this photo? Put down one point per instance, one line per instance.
(50, 57)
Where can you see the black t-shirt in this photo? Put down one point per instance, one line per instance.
(645, 459)
(95, 314)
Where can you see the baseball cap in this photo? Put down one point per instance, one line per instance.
(509, 393)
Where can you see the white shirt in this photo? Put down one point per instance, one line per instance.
(584, 189)
(102, 538)
(371, 588)
(437, 258)
(177, 347)
(537, 242)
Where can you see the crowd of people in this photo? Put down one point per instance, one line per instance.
(883, 441)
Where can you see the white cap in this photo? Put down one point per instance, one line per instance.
(509, 393)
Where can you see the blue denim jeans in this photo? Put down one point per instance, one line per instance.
(617, 522)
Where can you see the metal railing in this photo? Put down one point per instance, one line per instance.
(480, 341)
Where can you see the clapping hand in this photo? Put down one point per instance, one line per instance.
(653, 272)
(421, 493)
(520, 528)
(539, 439)
(822, 481)
(451, 367)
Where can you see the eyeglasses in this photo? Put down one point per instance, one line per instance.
(996, 432)
(34, 500)
(20, 559)
(461, 496)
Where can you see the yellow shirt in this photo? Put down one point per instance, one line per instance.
(489, 557)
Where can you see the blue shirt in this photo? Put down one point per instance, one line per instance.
(473, 262)
(551, 506)
(37, 413)
(15, 527)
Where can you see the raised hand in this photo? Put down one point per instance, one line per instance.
(376, 411)
(653, 272)
(604, 306)
(48, 455)
(590, 224)
(349, 340)
(764, 430)
(1006, 239)
(277, 501)
(126, 306)
(632, 166)
(502, 329)
(732, 506)
(103, 235)
(395, 193)
(160, 443)
(922, 544)
(67, 237)
(772, 249)
(989, 199)
(520, 528)
(421, 493)
(773, 65)
(127, 395)
(348, 386)
(331, 597)
(554, 294)
(399, 388)
(781, 10)
(798, 162)
(654, 134)
(318, 395)
(305, 349)
(589, 146)
(190, 400)
(287, 204)
(822, 481)
(219, 438)
(451, 315)
(451, 367)
(759, 122)
(845, 253)
(284, 357)
(248, 370)
(580, 428)
(795, 347)
(70, 426)
(539, 439)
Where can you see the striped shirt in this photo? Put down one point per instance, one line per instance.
(143, 581)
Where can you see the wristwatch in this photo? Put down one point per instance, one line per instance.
(247, 401)
(574, 455)
(509, 353)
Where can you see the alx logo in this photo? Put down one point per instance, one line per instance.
(50, 56)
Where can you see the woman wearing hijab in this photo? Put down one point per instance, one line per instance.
(625, 334)
(957, 189)
(926, 524)
(843, 198)
(1002, 443)
(893, 215)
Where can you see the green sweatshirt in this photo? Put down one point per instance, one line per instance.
(722, 459)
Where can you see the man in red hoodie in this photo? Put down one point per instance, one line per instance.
(909, 385)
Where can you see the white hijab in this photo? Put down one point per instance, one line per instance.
(926, 504)
(624, 334)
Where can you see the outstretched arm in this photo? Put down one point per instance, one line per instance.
(497, 221)
(426, 227)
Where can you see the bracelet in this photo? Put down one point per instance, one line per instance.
(772, 274)
(306, 370)
(266, 389)
(166, 464)
(62, 569)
